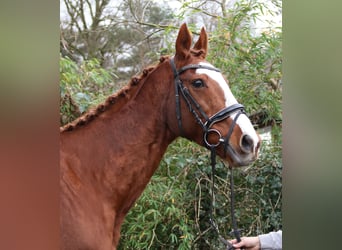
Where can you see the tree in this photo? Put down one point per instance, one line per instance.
(120, 35)
(80, 34)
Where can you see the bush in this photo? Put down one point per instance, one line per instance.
(82, 86)
(173, 211)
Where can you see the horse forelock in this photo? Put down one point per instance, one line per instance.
(117, 100)
(198, 53)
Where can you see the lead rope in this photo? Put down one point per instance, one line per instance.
(236, 231)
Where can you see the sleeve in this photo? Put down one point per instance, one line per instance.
(271, 241)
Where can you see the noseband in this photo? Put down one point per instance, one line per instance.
(206, 125)
(200, 116)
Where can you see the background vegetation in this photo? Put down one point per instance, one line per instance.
(104, 43)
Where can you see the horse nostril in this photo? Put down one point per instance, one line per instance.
(246, 144)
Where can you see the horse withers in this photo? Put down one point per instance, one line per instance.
(108, 156)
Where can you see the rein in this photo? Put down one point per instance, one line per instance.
(198, 112)
(235, 230)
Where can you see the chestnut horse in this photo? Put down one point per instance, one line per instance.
(108, 155)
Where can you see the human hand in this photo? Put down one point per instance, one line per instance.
(248, 243)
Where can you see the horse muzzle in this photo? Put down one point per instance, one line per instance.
(241, 151)
(239, 159)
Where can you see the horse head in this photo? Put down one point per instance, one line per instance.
(204, 107)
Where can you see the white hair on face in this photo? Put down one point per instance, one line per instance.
(217, 77)
(243, 121)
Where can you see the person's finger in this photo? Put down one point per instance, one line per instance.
(239, 244)
(233, 241)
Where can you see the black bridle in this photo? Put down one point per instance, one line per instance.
(206, 123)
(200, 116)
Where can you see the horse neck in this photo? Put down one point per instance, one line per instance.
(143, 118)
(142, 121)
(127, 143)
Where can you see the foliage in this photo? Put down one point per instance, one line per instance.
(252, 63)
(173, 211)
(82, 86)
(160, 218)
(119, 34)
(163, 218)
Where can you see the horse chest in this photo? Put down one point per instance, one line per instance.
(87, 222)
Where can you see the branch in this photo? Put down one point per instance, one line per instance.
(100, 6)
(71, 13)
(204, 12)
(82, 15)
(90, 9)
(223, 8)
(157, 26)
(131, 10)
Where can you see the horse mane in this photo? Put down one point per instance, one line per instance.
(119, 99)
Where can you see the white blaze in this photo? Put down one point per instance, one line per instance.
(243, 121)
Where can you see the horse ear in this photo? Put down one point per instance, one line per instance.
(183, 42)
(202, 43)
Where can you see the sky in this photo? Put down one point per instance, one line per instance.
(261, 23)
(264, 21)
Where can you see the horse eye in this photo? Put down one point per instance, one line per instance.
(198, 83)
